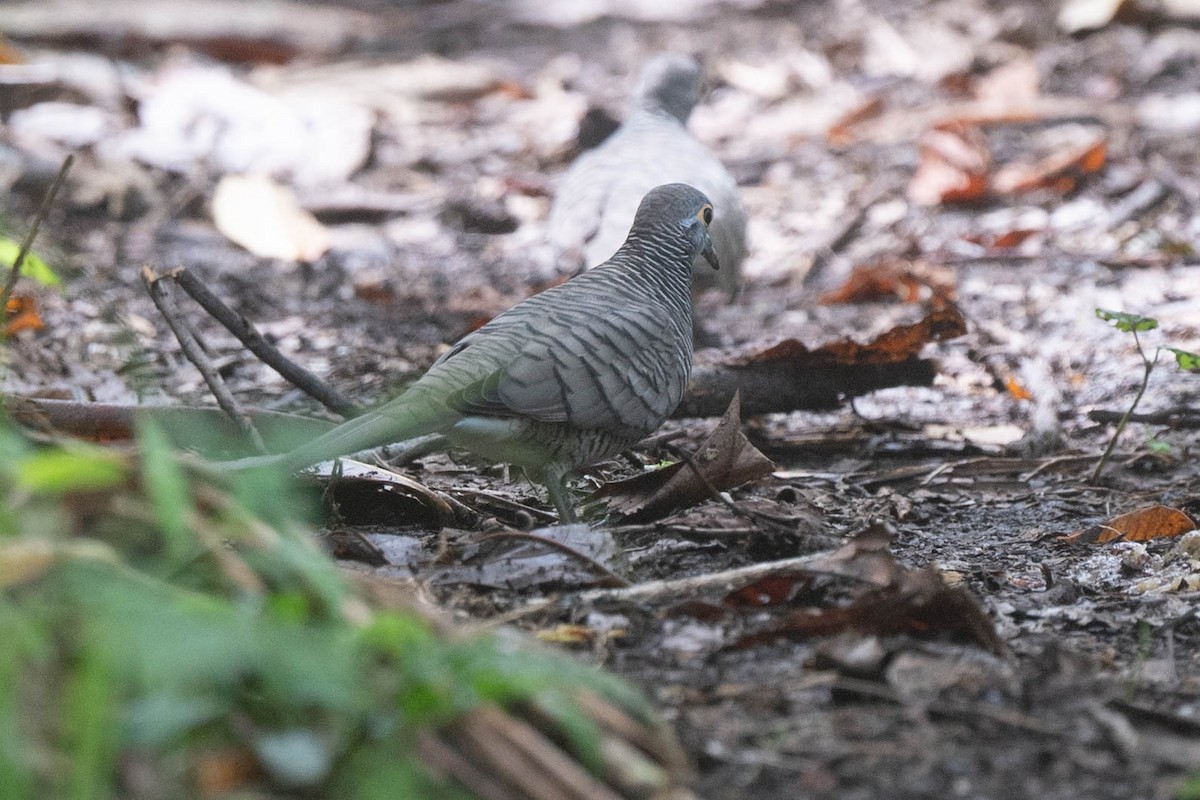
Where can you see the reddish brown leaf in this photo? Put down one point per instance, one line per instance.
(920, 604)
(1155, 522)
(891, 347)
(21, 315)
(1058, 173)
(1005, 240)
(1016, 389)
(843, 131)
(770, 590)
(908, 282)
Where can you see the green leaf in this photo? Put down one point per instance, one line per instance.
(1124, 321)
(1185, 359)
(66, 470)
(32, 267)
(168, 489)
(89, 714)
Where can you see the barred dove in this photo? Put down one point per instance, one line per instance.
(567, 377)
(597, 198)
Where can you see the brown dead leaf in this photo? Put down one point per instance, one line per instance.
(725, 460)
(1016, 389)
(894, 600)
(893, 279)
(1005, 240)
(842, 132)
(9, 54)
(1154, 522)
(899, 344)
(21, 315)
(1059, 173)
(770, 590)
(567, 634)
(922, 605)
(953, 167)
(266, 219)
(867, 557)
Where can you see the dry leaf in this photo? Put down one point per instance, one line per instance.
(842, 132)
(567, 634)
(1060, 172)
(770, 590)
(1014, 84)
(1016, 389)
(899, 344)
(265, 218)
(725, 460)
(894, 600)
(21, 315)
(954, 166)
(893, 279)
(1155, 522)
(1005, 240)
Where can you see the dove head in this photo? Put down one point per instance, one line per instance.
(669, 83)
(677, 213)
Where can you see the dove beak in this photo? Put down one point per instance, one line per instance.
(710, 255)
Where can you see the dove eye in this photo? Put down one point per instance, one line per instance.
(706, 214)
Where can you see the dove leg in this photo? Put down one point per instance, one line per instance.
(554, 478)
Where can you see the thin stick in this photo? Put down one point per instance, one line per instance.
(612, 578)
(195, 353)
(256, 343)
(42, 211)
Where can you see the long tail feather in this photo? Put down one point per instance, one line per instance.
(396, 421)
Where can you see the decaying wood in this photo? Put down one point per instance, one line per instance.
(776, 386)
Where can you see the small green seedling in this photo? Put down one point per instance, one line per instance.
(1135, 324)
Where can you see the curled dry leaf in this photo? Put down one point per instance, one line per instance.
(843, 132)
(725, 460)
(954, 166)
(266, 219)
(1060, 172)
(1003, 240)
(893, 600)
(21, 315)
(370, 495)
(893, 279)
(1155, 522)
(901, 343)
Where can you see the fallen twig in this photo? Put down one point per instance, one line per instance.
(190, 345)
(248, 335)
(15, 272)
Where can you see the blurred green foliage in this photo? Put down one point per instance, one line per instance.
(155, 619)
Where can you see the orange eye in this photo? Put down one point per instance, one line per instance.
(706, 214)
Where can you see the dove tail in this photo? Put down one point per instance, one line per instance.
(393, 422)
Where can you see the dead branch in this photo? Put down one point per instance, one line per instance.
(15, 271)
(775, 386)
(190, 344)
(256, 343)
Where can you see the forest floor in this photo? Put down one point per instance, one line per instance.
(965, 153)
